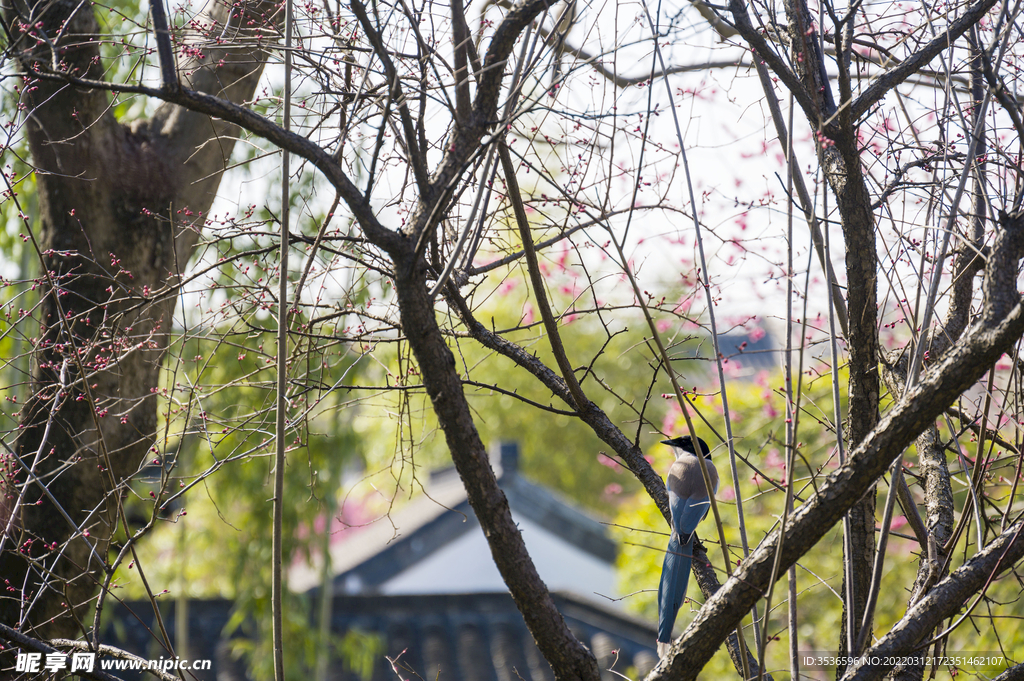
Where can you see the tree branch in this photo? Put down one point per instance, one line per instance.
(216, 107)
(754, 38)
(1014, 673)
(598, 421)
(579, 399)
(917, 61)
(59, 645)
(417, 156)
(569, 659)
(168, 69)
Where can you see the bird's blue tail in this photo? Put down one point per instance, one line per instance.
(675, 575)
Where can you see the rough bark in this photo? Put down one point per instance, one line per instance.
(843, 170)
(1014, 673)
(121, 207)
(844, 173)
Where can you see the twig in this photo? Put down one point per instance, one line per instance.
(168, 67)
(578, 397)
(281, 402)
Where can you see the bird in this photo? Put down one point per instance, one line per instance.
(689, 503)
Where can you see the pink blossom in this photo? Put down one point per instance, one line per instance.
(775, 460)
(733, 368)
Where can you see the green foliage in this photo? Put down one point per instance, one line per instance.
(360, 652)
(223, 546)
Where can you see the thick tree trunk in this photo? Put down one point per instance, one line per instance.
(845, 176)
(121, 209)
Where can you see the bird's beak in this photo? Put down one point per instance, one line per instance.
(666, 442)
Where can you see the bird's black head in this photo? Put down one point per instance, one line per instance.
(686, 444)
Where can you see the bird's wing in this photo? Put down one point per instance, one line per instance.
(687, 513)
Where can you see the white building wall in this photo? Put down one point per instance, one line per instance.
(464, 565)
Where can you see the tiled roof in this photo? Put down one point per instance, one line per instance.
(448, 637)
(482, 637)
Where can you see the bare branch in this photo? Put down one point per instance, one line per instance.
(885, 82)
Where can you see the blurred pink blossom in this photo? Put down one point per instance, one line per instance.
(775, 460)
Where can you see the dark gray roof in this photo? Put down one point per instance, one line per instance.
(482, 637)
(448, 637)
